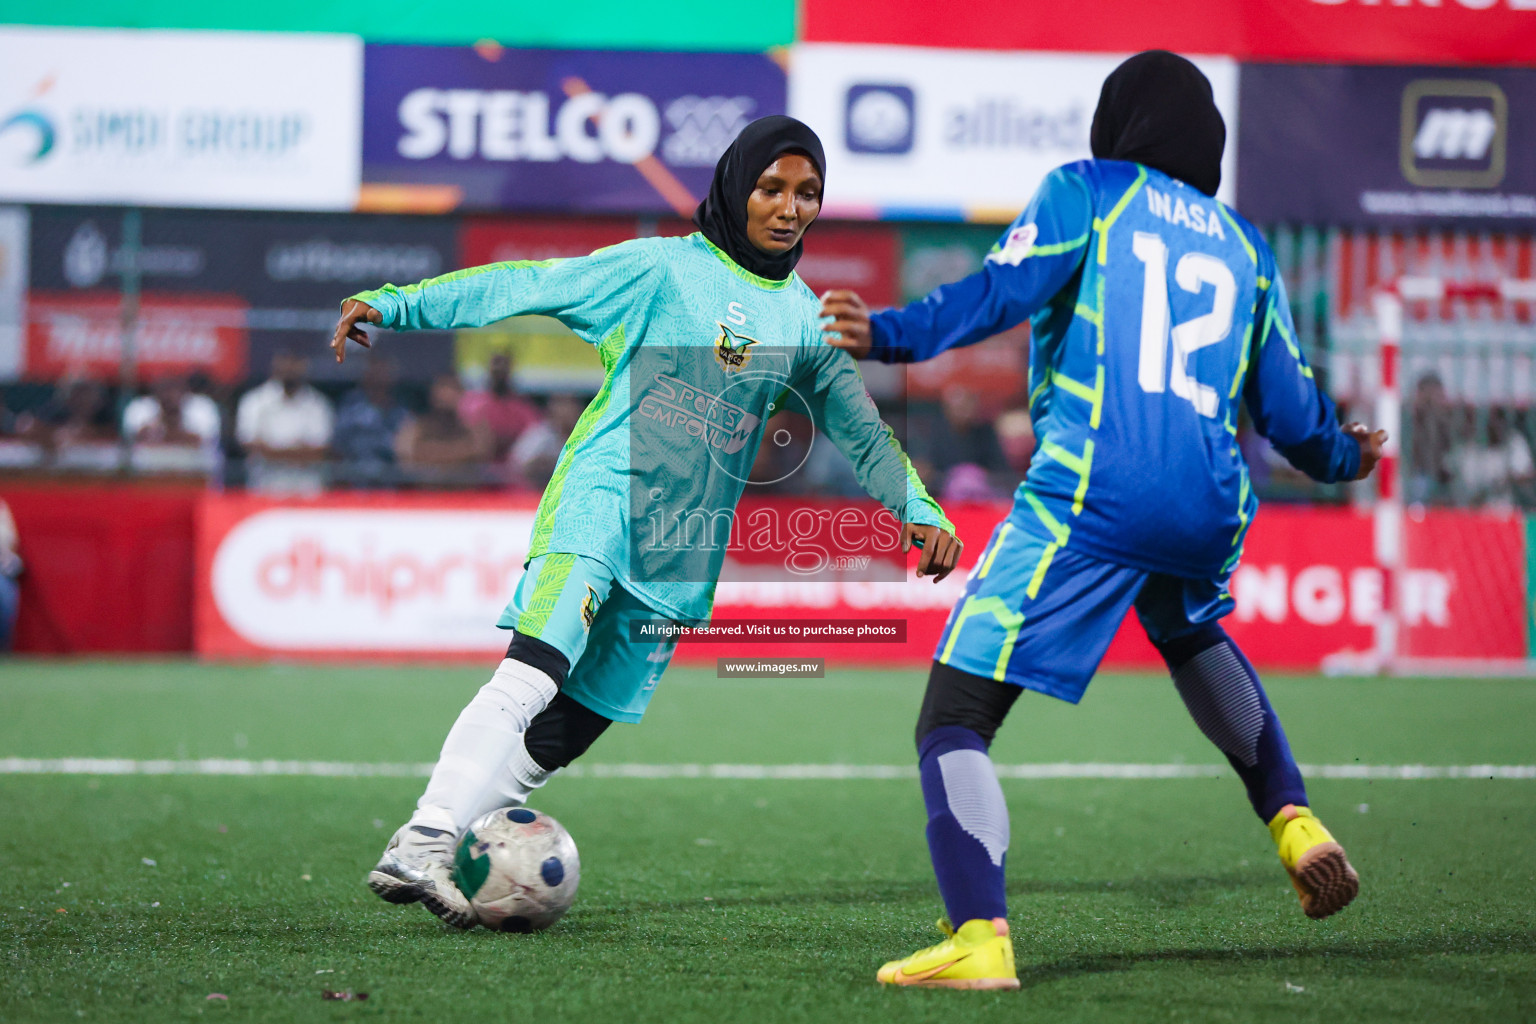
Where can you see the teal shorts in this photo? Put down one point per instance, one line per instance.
(574, 604)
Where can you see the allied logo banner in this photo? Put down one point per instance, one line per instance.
(258, 120)
(946, 134)
(1388, 147)
(558, 130)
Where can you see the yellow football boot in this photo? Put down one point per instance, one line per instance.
(978, 955)
(1321, 873)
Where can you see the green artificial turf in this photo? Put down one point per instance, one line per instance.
(745, 900)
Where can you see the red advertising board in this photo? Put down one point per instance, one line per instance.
(865, 258)
(82, 333)
(108, 568)
(413, 576)
(485, 240)
(1360, 31)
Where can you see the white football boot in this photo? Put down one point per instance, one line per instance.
(417, 866)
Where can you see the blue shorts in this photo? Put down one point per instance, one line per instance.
(573, 603)
(1041, 616)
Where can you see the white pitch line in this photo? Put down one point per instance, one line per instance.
(1054, 770)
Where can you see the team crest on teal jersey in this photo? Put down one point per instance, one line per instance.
(731, 349)
(589, 608)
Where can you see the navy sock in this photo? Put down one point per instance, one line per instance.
(1222, 691)
(967, 823)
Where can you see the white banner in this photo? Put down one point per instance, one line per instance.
(14, 264)
(360, 579)
(913, 132)
(172, 118)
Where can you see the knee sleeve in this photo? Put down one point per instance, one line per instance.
(562, 732)
(542, 656)
(960, 698)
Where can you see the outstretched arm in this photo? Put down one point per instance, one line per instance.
(1034, 260)
(847, 415)
(587, 294)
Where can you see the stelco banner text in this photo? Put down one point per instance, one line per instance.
(562, 130)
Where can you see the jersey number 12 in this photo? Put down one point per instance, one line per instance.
(1194, 272)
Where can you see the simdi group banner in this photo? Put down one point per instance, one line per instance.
(934, 134)
(425, 576)
(486, 128)
(172, 118)
(1389, 147)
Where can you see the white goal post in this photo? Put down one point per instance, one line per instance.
(1391, 306)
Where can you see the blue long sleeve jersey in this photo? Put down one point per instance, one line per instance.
(697, 354)
(1152, 308)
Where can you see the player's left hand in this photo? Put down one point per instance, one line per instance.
(941, 549)
(1371, 445)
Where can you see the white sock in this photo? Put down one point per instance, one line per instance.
(487, 734)
(511, 786)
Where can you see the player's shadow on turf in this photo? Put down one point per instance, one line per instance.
(1385, 950)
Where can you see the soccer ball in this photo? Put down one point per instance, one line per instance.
(519, 869)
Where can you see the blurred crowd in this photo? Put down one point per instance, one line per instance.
(289, 435)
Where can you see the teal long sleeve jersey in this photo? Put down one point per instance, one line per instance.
(697, 355)
(1154, 311)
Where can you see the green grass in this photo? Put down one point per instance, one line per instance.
(727, 900)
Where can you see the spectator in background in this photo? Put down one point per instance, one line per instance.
(284, 427)
(438, 446)
(172, 429)
(969, 437)
(1430, 440)
(1495, 473)
(497, 408)
(1016, 437)
(21, 447)
(959, 435)
(10, 572)
(968, 482)
(171, 413)
(531, 462)
(367, 425)
(222, 395)
(82, 432)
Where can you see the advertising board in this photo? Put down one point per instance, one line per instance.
(949, 134)
(559, 130)
(426, 576)
(1395, 147)
(225, 119)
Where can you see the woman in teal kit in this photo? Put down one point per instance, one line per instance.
(702, 338)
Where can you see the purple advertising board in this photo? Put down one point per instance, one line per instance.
(559, 130)
(1387, 146)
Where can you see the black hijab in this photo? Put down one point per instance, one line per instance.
(722, 216)
(1157, 109)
